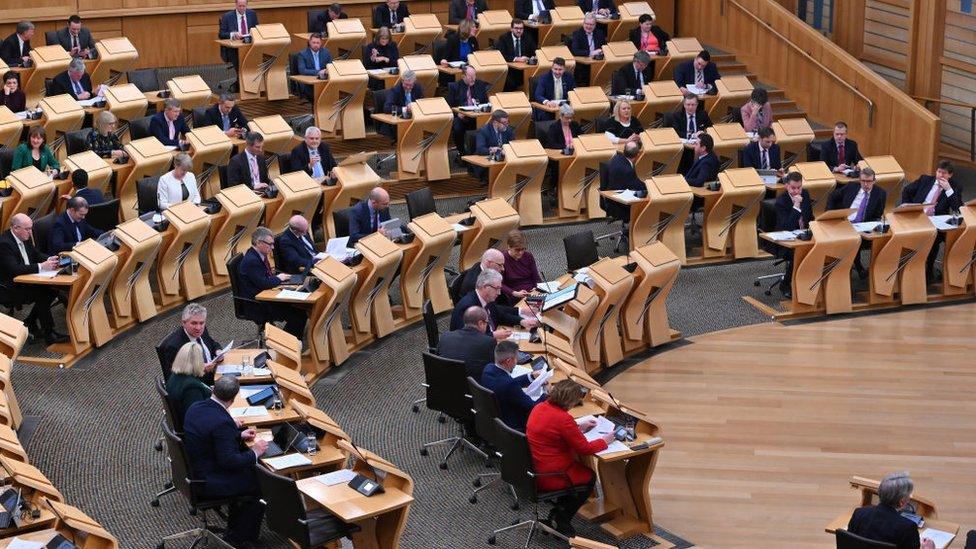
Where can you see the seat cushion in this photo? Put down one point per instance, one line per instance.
(323, 527)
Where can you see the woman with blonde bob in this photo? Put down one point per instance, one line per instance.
(184, 385)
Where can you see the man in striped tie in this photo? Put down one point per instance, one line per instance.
(794, 211)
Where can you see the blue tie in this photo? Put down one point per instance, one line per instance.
(77, 233)
(315, 58)
(317, 170)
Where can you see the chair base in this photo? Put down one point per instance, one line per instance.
(202, 538)
(533, 524)
(455, 442)
(168, 488)
(496, 478)
(772, 279)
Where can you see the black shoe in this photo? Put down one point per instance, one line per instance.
(53, 337)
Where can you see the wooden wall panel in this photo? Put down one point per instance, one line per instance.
(93, 5)
(142, 4)
(887, 27)
(158, 48)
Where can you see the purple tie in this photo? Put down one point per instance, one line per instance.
(859, 216)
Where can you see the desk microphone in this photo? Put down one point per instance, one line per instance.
(362, 484)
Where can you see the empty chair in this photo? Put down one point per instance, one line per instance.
(146, 197)
(447, 388)
(139, 128)
(287, 516)
(767, 223)
(341, 220)
(76, 141)
(172, 419)
(580, 250)
(147, 80)
(51, 38)
(847, 540)
(420, 202)
(104, 216)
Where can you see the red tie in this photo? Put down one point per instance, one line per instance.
(243, 25)
(471, 12)
(267, 265)
(841, 157)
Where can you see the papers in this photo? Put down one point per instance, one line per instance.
(940, 538)
(336, 477)
(769, 179)
(520, 336)
(338, 248)
(520, 370)
(169, 147)
(260, 372)
(158, 217)
(18, 543)
(534, 390)
(583, 278)
(248, 411)
(293, 294)
(224, 351)
(47, 274)
(393, 228)
(249, 390)
(865, 226)
(696, 90)
(377, 71)
(320, 256)
(21, 115)
(752, 135)
(286, 461)
(603, 426)
(941, 222)
(460, 228)
(456, 64)
(627, 196)
(614, 447)
(548, 287)
(89, 102)
(689, 141)
(224, 369)
(781, 236)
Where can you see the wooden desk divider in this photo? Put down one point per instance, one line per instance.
(149, 158)
(353, 183)
(279, 137)
(389, 517)
(733, 92)
(13, 334)
(422, 272)
(209, 147)
(565, 20)
(191, 91)
(679, 51)
(86, 316)
(545, 55)
(292, 385)
(660, 97)
(327, 338)
(644, 318)
(339, 104)
(62, 114)
(419, 33)
(422, 150)
(579, 177)
(493, 219)
(730, 219)
(660, 152)
(601, 336)
(178, 274)
(822, 272)
(79, 526)
(817, 180)
(345, 38)
(630, 13)
(115, 57)
(130, 291)
(48, 62)
(11, 127)
(519, 110)
(490, 66)
(6, 415)
(263, 63)
(10, 446)
(371, 313)
(589, 103)
(585, 543)
(30, 480)
(564, 339)
(518, 179)
(13, 407)
(286, 347)
(729, 140)
(423, 65)
(960, 254)
(32, 193)
(98, 170)
(889, 175)
(793, 135)
(616, 54)
(899, 266)
(492, 24)
(127, 103)
(231, 228)
(319, 419)
(661, 218)
(298, 194)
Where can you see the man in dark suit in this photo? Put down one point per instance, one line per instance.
(15, 49)
(493, 259)
(553, 87)
(487, 289)
(248, 167)
(630, 78)
(763, 154)
(794, 211)
(469, 343)
(587, 41)
(79, 180)
(194, 328)
(219, 457)
(367, 216)
(945, 195)
(314, 156)
(490, 137)
(600, 7)
(70, 227)
(74, 81)
(705, 166)
(516, 47)
(18, 256)
(168, 126)
(390, 15)
(467, 92)
(296, 251)
(867, 199)
(465, 9)
(700, 71)
(884, 522)
(235, 25)
(226, 115)
(312, 61)
(621, 176)
(256, 276)
(76, 40)
(321, 23)
(513, 404)
(840, 153)
(529, 10)
(690, 122)
(398, 100)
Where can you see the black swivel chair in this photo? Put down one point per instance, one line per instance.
(284, 164)
(581, 250)
(147, 199)
(447, 388)
(286, 515)
(104, 216)
(51, 38)
(313, 17)
(485, 412)
(76, 141)
(542, 132)
(42, 228)
(379, 102)
(433, 338)
(601, 124)
(240, 312)
(147, 80)
(199, 116)
(767, 223)
(847, 540)
(294, 87)
(341, 220)
(454, 289)
(6, 161)
(175, 423)
(139, 127)
(420, 202)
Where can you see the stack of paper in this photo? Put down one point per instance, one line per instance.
(520, 370)
(603, 426)
(260, 371)
(534, 390)
(48, 274)
(338, 248)
(696, 90)
(939, 538)
(292, 294)
(248, 411)
(224, 351)
(18, 543)
(941, 222)
(224, 369)
(548, 287)
(865, 226)
(456, 64)
(780, 236)
(376, 71)
(583, 278)
(336, 477)
(288, 460)
(459, 227)
(627, 196)
(614, 447)
(519, 336)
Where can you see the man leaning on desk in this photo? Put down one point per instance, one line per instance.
(15, 49)
(552, 87)
(622, 175)
(312, 61)
(794, 211)
(764, 153)
(296, 251)
(256, 276)
(390, 15)
(74, 81)
(840, 153)
(168, 126)
(467, 92)
(75, 39)
(193, 327)
(587, 41)
(226, 115)
(70, 227)
(700, 71)
(945, 195)
(367, 216)
(868, 201)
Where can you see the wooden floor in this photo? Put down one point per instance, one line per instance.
(765, 424)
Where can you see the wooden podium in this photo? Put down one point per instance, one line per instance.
(371, 313)
(87, 319)
(546, 53)
(730, 214)
(793, 135)
(327, 338)
(263, 62)
(279, 137)
(419, 33)
(679, 51)
(630, 13)
(615, 55)
(960, 254)
(729, 140)
(9, 443)
(287, 348)
(339, 104)
(62, 114)
(35, 488)
(191, 91)
(579, 176)
(115, 57)
(353, 183)
(149, 158)
(345, 38)
(11, 127)
(817, 180)
(493, 219)
(98, 170)
(660, 97)
(178, 274)
(518, 179)
(491, 67)
(298, 194)
(660, 152)
(644, 315)
(73, 524)
(130, 291)
(565, 20)
(422, 274)
(48, 62)
(662, 218)
(601, 336)
(231, 228)
(899, 266)
(425, 68)
(209, 147)
(492, 24)
(566, 324)
(822, 272)
(13, 335)
(32, 193)
(889, 175)
(589, 103)
(127, 103)
(733, 92)
(519, 110)
(422, 148)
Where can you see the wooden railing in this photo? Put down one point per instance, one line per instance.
(972, 118)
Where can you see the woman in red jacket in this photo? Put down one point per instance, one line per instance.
(555, 440)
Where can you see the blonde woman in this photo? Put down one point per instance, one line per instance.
(623, 127)
(102, 139)
(184, 385)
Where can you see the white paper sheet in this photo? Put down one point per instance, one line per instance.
(696, 90)
(520, 370)
(292, 294)
(548, 287)
(865, 226)
(260, 371)
(223, 369)
(48, 274)
(940, 538)
(286, 461)
(780, 236)
(89, 102)
(519, 336)
(224, 351)
(460, 228)
(248, 411)
(627, 196)
(614, 447)
(941, 222)
(336, 477)
(534, 390)
(18, 543)
(603, 426)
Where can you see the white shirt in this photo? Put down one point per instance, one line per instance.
(861, 197)
(170, 192)
(203, 346)
(23, 251)
(21, 42)
(929, 198)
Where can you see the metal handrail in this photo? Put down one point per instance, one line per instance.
(972, 117)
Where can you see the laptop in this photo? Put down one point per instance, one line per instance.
(393, 228)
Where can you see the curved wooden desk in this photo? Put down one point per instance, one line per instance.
(371, 313)
(644, 315)
(178, 274)
(327, 338)
(822, 272)
(298, 194)
(98, 169)
(422, 273)
(817, 180)
(62, 114)
(209, 147)
(960, 254)
(148, 158)
(48, 62)
(519, 110)
(130, 291)
(493, 219)
(730, 214)
(661, 149)
(422, 147)
(115, 57)
(601, 336)
(353, 183)
(579, 174)
(899, 266)
(11, 128)
(518, 178)
(230, 229)
(32, 193)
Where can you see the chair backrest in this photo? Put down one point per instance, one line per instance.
(48, 87)
(420, 202)
(179, 464)
(173, 419)
(341, 220)
(146, 197)
(285, 507)
(139, 128)
(454, 290)
(199, 117)
(161, 357)
(222, 176)
(104, 216)
(447, 386)
(146, 80)
(76, 141)
(313, 19)
(276, 254)
(470, 141)
(601, 124)
(542, 132)
(580, 250)
(516, 463)
(604, 175)
(50, 38)
(233, 268)
(847, 540)
(379, 100)
(284, 163)
(767, 215)
(430, 324)
(440, 49)
(6, 161)
(42, 228)
(486, 410)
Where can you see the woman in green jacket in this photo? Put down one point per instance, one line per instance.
(35, 152)
(184, 385)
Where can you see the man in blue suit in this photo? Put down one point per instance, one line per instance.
(399, 98)
(601, 7)
(494, 134)
(168, 126)
(763, 154)
(487, 288)
(621, 176)
(587, 41)
(700, 71)
(868, 201)
(70, 227)
(794, 211)
(367, 216)
(469, 343)
(226, 115)
(256, 276)
(513, 404)
(234, 25)
(705, 166)
(79, 180)
(314, 156)
(468, 92)
(296, 251)
(218, 457)
(552, 87)
(312, 61)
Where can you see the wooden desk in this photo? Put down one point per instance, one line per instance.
(422, 146)
(518, 178)
(732, 92)
(660, 217)
(327, 338)
(62, 114)
(424, 66)
(817, 180)
(115, 56)
(730, 214)
(567, 322)
(565, 20)
(32, 193)
(178, 274)
(298, 194)
(271, 417)
(419, 33)
(729, 140)
(616, 54)
(370, 310)
(960, 254)
(48, 62)
(793, 135)
(127, 103)
(492, 24)
(578, 188)
(601, 336)
(899, 264)
(191, 91)
(353, 183)
(345, 38)
(630, 12)
(230, 229)
(516, 104)
(661, 150)
(263, 62)
(679, 50)
(209, 147)
(129, 290)
(9, 443)
(149, 158)
(13, 335)
(644, 314)
(338, 103)
(660, 97)
(589, 104)
(490, 66)
(11, 128)
(422, 274)
(493, 219)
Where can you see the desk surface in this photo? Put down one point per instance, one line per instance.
(348, 504)
(59, 280)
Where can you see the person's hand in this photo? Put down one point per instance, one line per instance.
(284, 277)
(51, 264)
(26, 59)
(635, 138)
(260, 446)
(521, 59)
(333, 174)
(382, 231)
(248, 434)
(608, 437)
(537, 373)
(797, 200)
(444, 62)
(74, 52)
(239, 422)
(502, 334)
(520, 293)
(944, 183)
(548, 102)
(84, 95)
(529, 322)
(209, 367)
(586, 425)
(85, 53)
(324, 73)
(840, 168)
(260, 186)
(312, 161)
(117, 154)
(927, 543)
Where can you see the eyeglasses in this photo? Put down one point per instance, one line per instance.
(267, 243)
(496, 288)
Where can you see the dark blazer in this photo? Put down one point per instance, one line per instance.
(212, 117)
(468, 282)
(239, 172)
(452, 47)
(474, 348)
(61, 84)
(85, 40)
(322, 21)
(702, 170)
(883, 523)
(843, 197)
(621, 175)
(216, 452)
(294, 254)
(679, 121)
(828, 153)
(544, 89)
(229, 23)
(390, 50)
(64, 233)
(360, 224)
(299, 158)
(580, 46)
(10, 51)
(381, 15)
(684, 74)
(554, 136)
(498, 315)
(658, 32)
(513, 404)
(625, 78)
(487, 137)
(457, 92)
(459, 10)
(160, 130)
(787, 218)
(523, 8)
(587, 5)
(397, 97)
(16, 101)
(92, 196)
(171, 345)
(306, 61)
(506, 45)
(917, 191)
(11, 262)
(254, 275)
(183, 391)
(752, 159)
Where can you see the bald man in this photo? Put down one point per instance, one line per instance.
(18, 256)
(366, 217)
(470, 343)
(492, 259)
(295, 248)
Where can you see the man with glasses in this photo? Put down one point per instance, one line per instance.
(256, 276)
(493, 259)
(487, 289)
(18, 256)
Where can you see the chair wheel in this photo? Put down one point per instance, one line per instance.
(158, 446)
(416, 409)
(492, 540)
(477, 483)
(443, 466)
(423, 451)
(441, 419)
(514, 506)
(473, 499)
(155, 502)
(768, 292)
(756, 283)
(168, 485)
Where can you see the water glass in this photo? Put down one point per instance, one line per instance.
(311, 444)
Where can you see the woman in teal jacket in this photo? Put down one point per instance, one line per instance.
(35, 152)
